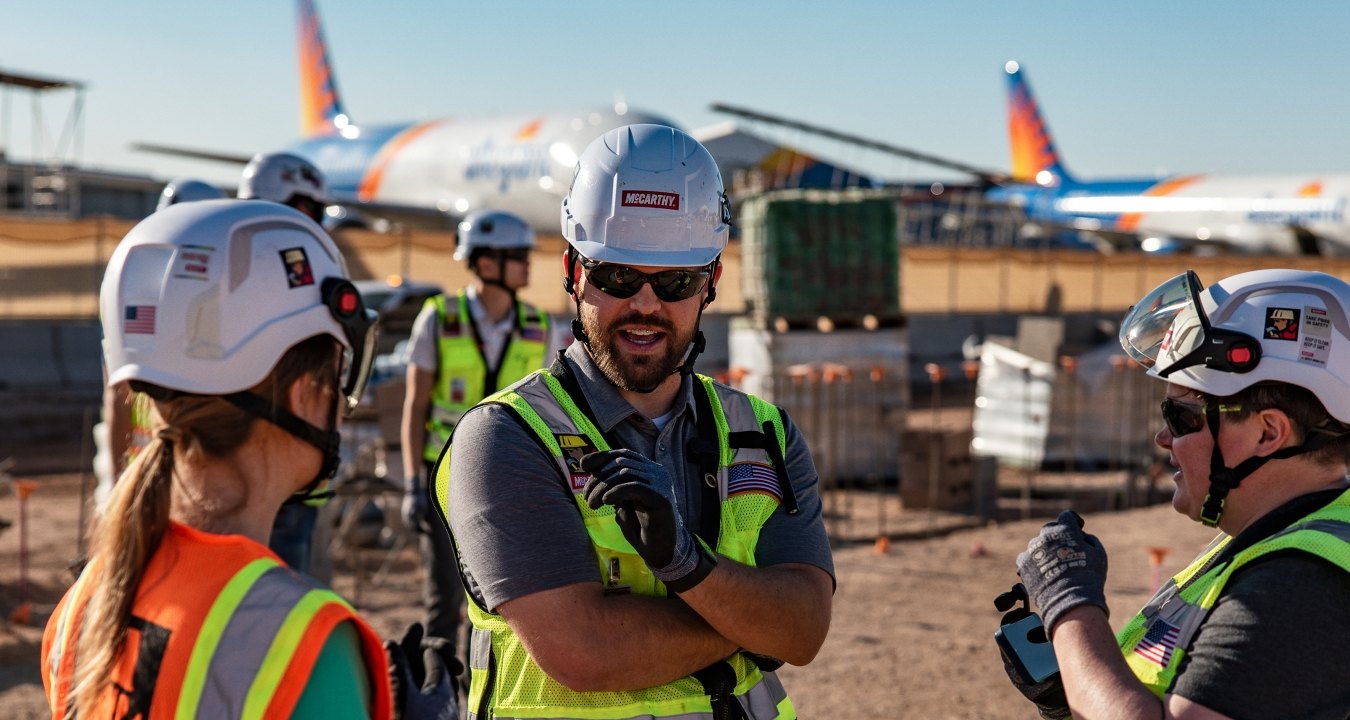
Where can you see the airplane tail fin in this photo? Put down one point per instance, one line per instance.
(1033, 150)
(321, 108)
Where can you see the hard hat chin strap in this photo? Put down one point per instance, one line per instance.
(1223, 479)
(327, 441)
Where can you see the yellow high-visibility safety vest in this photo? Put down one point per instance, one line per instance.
(505, 682)
(462, 375)
(1155, 641)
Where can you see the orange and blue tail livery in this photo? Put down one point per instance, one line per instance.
(320, 106)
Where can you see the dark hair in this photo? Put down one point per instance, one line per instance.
(1303, 408)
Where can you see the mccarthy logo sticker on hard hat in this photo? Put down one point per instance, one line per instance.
(1281, 324)
(651, 199)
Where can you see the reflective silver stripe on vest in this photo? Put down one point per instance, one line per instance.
(245, 642)
(480, 656)
(761, 700)
(535, 392)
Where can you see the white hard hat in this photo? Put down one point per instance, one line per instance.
(494, 229)
(647, 195)
(206, 297)
(1214, 340)
(187, 190)
(280, 176)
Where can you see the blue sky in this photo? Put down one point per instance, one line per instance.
(1129, 88)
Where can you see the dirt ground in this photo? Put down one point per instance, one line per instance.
(912, 634)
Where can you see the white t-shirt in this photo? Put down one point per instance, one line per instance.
(422, 343)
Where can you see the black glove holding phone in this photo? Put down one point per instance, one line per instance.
(1028, 656)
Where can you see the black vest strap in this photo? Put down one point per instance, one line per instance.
(705, 451)
(719, 682)
(767, 440)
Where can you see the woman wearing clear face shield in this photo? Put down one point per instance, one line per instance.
(182, 611)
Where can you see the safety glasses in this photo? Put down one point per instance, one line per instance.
(1168, 330)
(1182, 418)
(518, 254)
(621, 281)
(358, 325)
(1185, 418)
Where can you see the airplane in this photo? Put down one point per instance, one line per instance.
(433, 173)
(1278, 214)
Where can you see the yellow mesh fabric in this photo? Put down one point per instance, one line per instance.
(520, 688)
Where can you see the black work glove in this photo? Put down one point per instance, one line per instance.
(1048, 695)
(421, 678)
(416, 508)
(642, 494)
(1063, 567)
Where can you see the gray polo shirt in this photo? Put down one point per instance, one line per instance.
(518, 527)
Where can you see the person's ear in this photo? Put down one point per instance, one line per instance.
(1277, 431)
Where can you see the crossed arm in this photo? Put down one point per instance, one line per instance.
(590, 641)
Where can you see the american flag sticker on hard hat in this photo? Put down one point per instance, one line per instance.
(139, 320)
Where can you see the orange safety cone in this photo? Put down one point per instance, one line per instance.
(23, 614)
(882, 546)
(1156, 555)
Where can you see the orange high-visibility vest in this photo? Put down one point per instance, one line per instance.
(220, 629)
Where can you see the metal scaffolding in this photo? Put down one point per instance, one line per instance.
(42, 183)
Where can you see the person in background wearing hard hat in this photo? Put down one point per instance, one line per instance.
(293, 181)
(127, 414)
(1258, 426)
(182, 610)
(638, 541)
(463, 348)
(287, 179)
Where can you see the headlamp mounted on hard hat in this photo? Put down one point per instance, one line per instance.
(358, 325)
(1168, 330)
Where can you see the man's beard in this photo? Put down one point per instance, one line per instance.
(635, 373)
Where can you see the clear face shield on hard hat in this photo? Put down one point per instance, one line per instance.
(1168, 330)
(359, 327)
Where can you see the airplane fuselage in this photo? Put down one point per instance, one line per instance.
(521, 164)
(1254, 213)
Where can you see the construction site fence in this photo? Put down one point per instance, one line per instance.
(53, 268)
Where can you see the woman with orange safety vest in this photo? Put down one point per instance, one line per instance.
(182, 610)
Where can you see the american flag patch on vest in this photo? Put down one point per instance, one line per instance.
(752, 477)
(1159, 642)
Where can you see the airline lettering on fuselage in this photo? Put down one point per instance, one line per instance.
(1307, 213)
(506, 164)
(651, 199)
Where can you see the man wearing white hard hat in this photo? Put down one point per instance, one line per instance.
(638, 541)
(463, 348)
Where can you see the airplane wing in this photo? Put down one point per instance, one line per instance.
(193, 153)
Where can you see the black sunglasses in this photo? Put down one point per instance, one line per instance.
(521, 254)
(1185, 418)
(1182, 418)
(621, 281)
